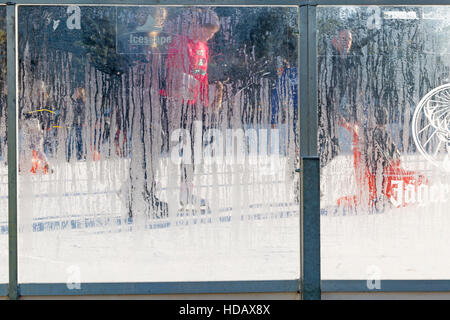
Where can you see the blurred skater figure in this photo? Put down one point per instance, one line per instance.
(31, 145)
(377, 166)
(186, 89)
(75, 142)
(138, 127)
(343, 42)
(188, 56)
(284, 103)
(339, 69)
(284, 116)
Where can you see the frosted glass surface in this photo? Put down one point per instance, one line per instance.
(3, 153)
(157, 144)
(384, 137)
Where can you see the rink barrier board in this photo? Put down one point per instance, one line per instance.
(59, 223)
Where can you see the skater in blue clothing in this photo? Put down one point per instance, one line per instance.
(285, 105)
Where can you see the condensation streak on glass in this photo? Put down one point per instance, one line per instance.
(157, 144)
(384, 141)
(3, 152)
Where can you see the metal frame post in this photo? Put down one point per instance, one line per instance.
(310, 167)
(12, 151)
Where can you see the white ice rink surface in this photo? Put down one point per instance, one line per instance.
(258, 239)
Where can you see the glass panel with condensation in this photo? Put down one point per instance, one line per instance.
(384, 142)
(3, 152)
(157, 144)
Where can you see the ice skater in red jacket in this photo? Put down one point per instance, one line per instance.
(186, 85)
(188, 56)
(377, 166)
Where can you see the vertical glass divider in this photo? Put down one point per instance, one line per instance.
(12, 151)
(310, 164)
(302, 76)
